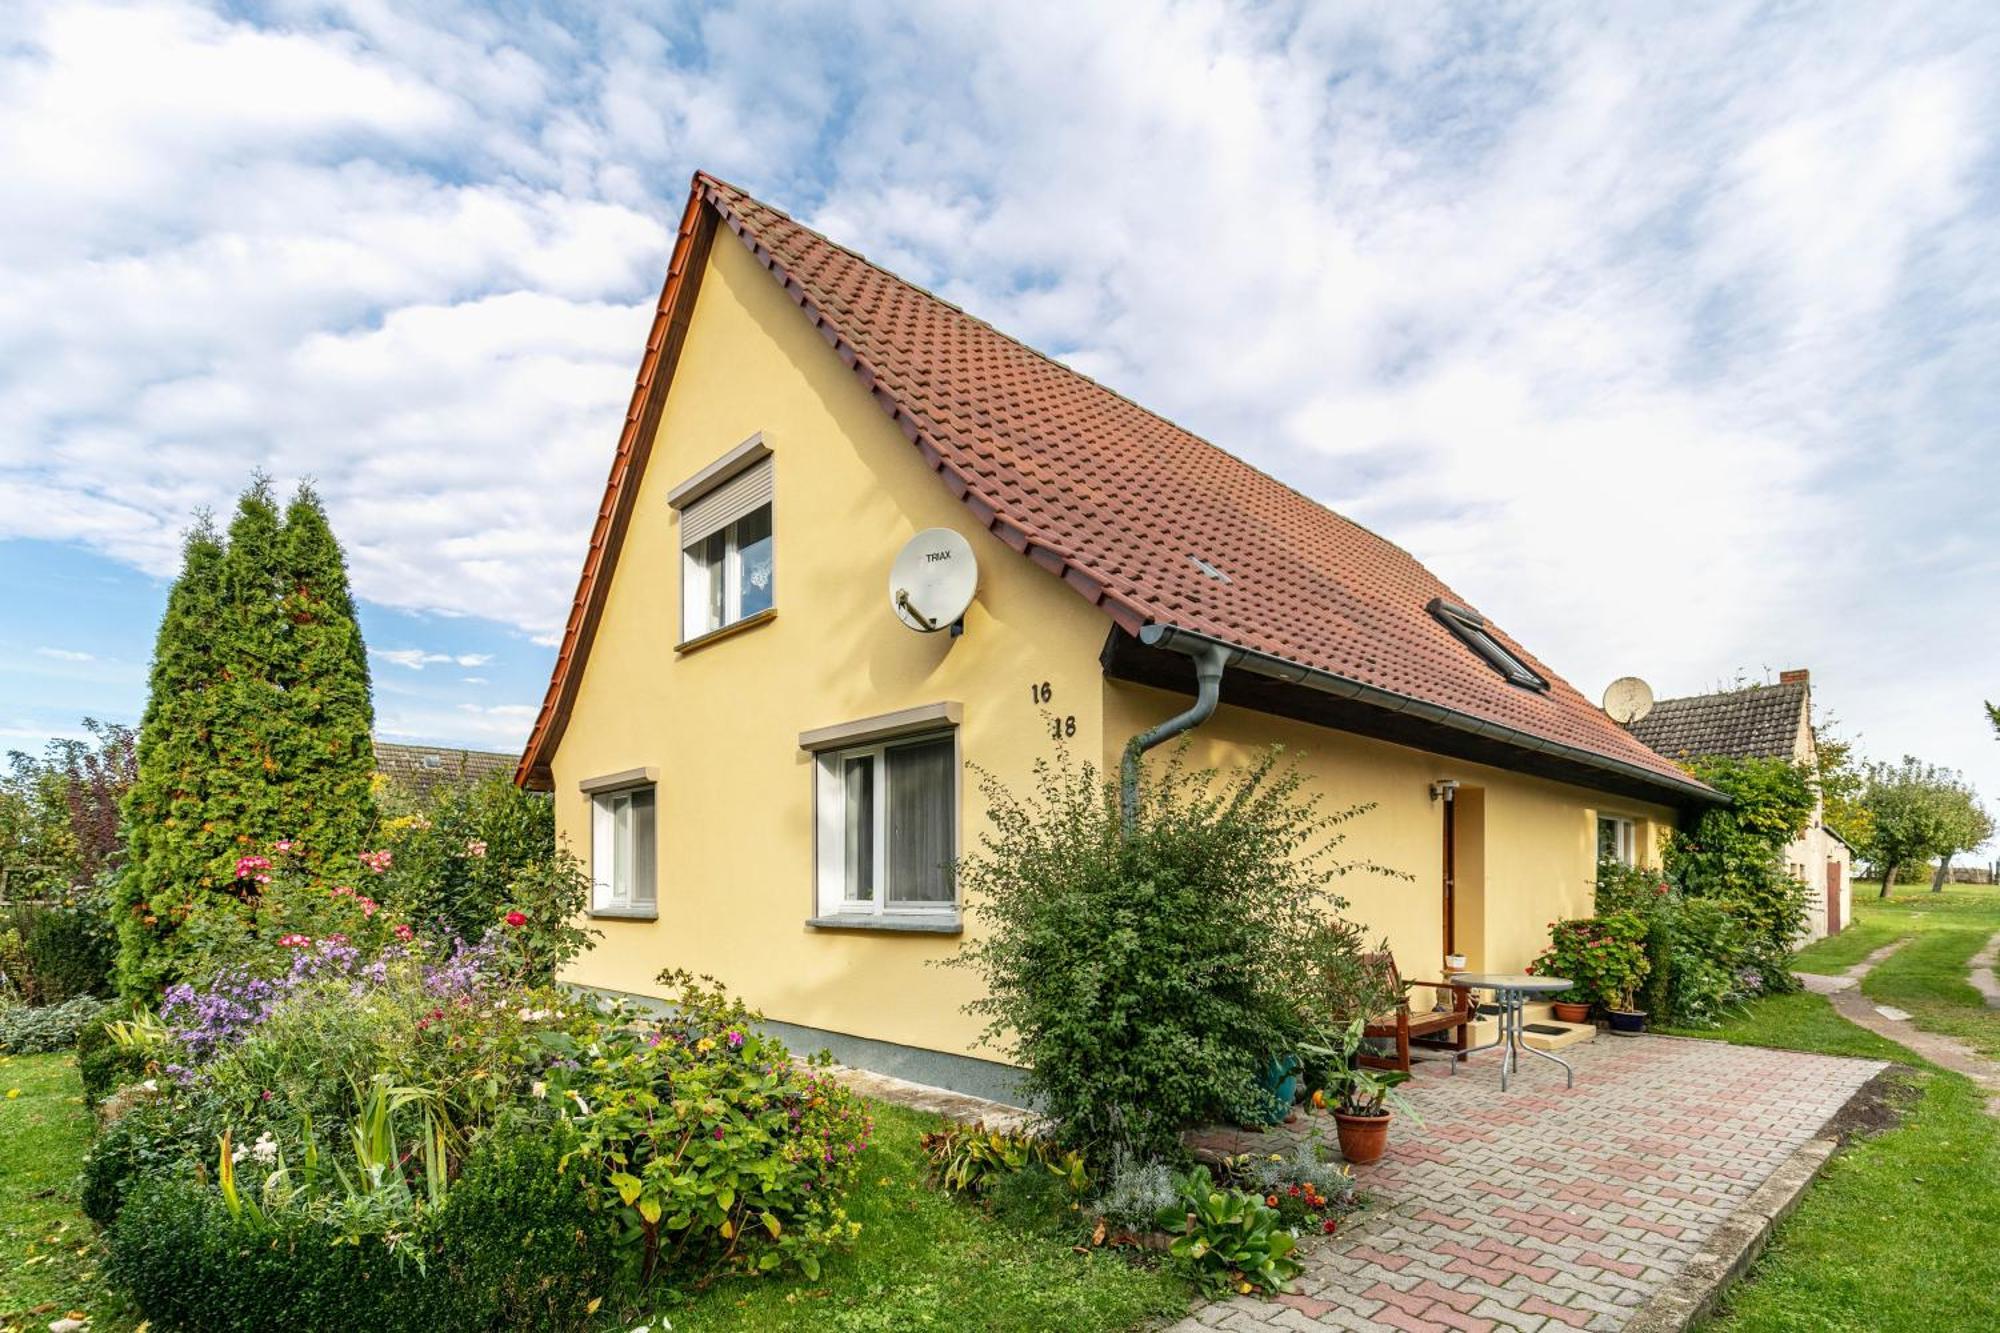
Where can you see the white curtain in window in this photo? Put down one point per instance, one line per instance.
(920, 834)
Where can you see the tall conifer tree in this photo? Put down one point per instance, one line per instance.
(326, 751)
(171, 847)
(251, 643)
(259, 727)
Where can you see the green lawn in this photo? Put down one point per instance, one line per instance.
(1903, 1230)
(925, 1260)
(49, 1256)
(930, 1261)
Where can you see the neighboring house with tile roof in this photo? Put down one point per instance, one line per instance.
(1764, 722)
(416, 769)
(767, 770)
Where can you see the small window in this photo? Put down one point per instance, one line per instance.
(623, 852)
(1470, 627)
(888, 827)
(1616, 843)
(727, 565)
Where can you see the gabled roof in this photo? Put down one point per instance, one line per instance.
(1756, 722)
(418, 768)
(1151, 523)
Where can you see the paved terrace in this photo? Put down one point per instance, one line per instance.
(1546, 1209)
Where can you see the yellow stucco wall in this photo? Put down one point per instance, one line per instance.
(1527, 847)
(722, 722)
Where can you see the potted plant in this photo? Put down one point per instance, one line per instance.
(1605, 956)
(1571, 1011)
(1360, 1099)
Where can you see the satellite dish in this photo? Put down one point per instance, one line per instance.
(1628, 699)
(933, 579)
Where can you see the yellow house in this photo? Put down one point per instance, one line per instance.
(766, 769)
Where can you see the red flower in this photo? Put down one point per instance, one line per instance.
(517, 919)
(1329, 1226)
(403, 932)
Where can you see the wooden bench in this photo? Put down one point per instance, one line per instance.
(1403, 1026)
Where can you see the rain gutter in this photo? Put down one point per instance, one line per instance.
(1203, 648)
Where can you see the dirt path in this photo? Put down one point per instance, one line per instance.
(1948, 1052)
(1982, 977)
(1848, 980)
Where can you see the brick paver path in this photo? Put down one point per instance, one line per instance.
(1546, 1209)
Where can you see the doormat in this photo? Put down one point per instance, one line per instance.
(1544, 1029)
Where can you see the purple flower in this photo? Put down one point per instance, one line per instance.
(735, 1040)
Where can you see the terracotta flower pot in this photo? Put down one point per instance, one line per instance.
(1363, 1138)
(1568, 1011)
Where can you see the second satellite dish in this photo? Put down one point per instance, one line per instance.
(933, 579)
(1628, 699)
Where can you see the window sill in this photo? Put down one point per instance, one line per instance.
(625, 913)
(735, 627)
(893, 923)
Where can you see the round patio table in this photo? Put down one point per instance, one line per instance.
(1511, 991)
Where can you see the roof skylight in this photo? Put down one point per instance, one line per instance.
(1470, 627)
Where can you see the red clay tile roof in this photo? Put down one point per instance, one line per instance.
(1116, 500)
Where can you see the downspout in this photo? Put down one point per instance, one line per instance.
(1209, 660)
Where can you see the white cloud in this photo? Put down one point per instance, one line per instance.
(416, 659)
(66, 654)
(1664, 335)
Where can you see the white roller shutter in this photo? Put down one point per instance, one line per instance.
(747, 491)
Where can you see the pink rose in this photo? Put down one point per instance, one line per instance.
(517, 919)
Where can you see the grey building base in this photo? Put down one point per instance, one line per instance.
(988, 1079)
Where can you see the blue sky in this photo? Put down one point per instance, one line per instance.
(1664, 334)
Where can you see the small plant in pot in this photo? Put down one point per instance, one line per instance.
(1362, 1100)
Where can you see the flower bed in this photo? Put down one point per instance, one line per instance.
(419, 1136)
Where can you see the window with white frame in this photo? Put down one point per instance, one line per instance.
(727, 566)
(888, 827)
(1617, 842)
(624, 855)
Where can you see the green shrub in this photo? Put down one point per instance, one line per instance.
(104, 1064)
(514, 1245)
(1735, 855)
(51, 1027)
(464, 857)
(1709, 945)
(520, 1227)
(1146, 981)
(71, 950)
(149, 1138)
(710, 1145)
(1604, 955)
(1697, 948)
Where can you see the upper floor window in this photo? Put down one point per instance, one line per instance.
(728, 571)
(1471, 629)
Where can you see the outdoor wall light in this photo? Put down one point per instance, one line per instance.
(1442, 789)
